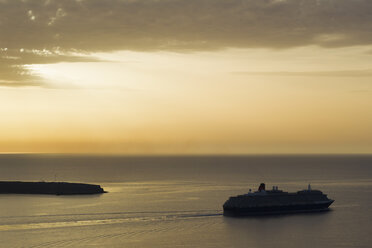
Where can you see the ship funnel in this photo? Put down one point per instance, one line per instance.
(262, 187)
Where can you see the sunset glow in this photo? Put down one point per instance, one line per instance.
(177, 86)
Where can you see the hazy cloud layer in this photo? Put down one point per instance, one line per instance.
(344, 73)
(43, 31)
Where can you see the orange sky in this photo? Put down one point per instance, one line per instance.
(103, 81)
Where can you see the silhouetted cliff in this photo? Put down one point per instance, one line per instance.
(53, 188)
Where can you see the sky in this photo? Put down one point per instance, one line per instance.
(186, 76)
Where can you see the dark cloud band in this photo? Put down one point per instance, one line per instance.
(178, 25)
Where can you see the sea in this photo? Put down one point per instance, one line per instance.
(176, 201)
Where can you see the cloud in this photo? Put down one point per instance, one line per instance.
(341, 73)
(21, 84)
(179, 25)
(14, 73)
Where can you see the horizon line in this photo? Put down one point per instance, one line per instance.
(182, 155)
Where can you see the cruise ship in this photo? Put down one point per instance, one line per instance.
(276, 201)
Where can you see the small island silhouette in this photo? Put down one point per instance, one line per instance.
(50, 188)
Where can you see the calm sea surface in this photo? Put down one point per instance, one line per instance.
(177, 202)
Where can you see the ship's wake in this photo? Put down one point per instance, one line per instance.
(75, 220)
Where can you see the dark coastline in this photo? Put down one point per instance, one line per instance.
(49, 188)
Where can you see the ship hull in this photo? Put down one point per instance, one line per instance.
(285, 209)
